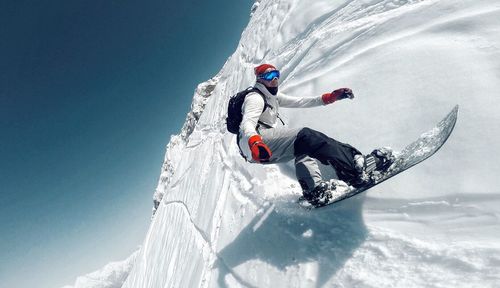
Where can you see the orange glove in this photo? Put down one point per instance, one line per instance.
(338, 94)
(260, 151)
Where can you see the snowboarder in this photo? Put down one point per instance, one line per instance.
(262, 139)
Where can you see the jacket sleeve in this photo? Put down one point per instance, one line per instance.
(251, 110)
(299, 102)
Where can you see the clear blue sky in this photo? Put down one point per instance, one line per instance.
(90, 92)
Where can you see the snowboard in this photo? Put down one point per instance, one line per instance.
(424, 147)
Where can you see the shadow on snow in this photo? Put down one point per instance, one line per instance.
(288, 235)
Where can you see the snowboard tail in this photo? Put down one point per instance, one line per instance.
(419, 150)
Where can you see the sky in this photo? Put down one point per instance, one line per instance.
(90, 93)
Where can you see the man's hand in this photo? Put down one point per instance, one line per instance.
(260, 151)
(338, 94)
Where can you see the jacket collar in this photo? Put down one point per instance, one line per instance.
(262, 88)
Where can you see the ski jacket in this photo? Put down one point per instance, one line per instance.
(254, 117)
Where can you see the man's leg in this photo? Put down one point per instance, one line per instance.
(307, 172)
(329, 152)
(304, 145)
(281, 142)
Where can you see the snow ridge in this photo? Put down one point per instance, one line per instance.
(113, 275)
(177, 142)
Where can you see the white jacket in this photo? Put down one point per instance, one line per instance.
(253, 115)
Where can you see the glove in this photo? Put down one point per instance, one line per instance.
(260, 151)
(338, 94)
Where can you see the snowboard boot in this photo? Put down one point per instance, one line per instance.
(321, 194)
(384, 158)
(365, 165)
(371, 166)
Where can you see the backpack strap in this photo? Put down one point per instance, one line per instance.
(266, 105)
(253, 89)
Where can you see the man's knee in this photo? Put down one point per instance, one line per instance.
(306, 131)
(306, 139)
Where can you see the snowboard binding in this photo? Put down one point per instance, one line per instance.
(325, 192)
(373, 166)
(384, 157)
(320, 195)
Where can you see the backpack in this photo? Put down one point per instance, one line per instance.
(234, 113)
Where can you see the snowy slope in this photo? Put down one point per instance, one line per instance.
(221, 222)
(112, 275)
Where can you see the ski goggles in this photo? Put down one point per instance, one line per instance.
(269, 76)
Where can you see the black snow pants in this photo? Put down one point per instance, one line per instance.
(328, 151)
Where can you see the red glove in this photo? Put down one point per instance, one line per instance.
(260, 151)
(338, 94)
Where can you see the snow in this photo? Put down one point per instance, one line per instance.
(221, 222)
(110, 276)
(177, 142)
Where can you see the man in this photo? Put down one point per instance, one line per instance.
(262, 140)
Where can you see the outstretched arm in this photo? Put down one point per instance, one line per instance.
(304, 102)
(299, 102)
